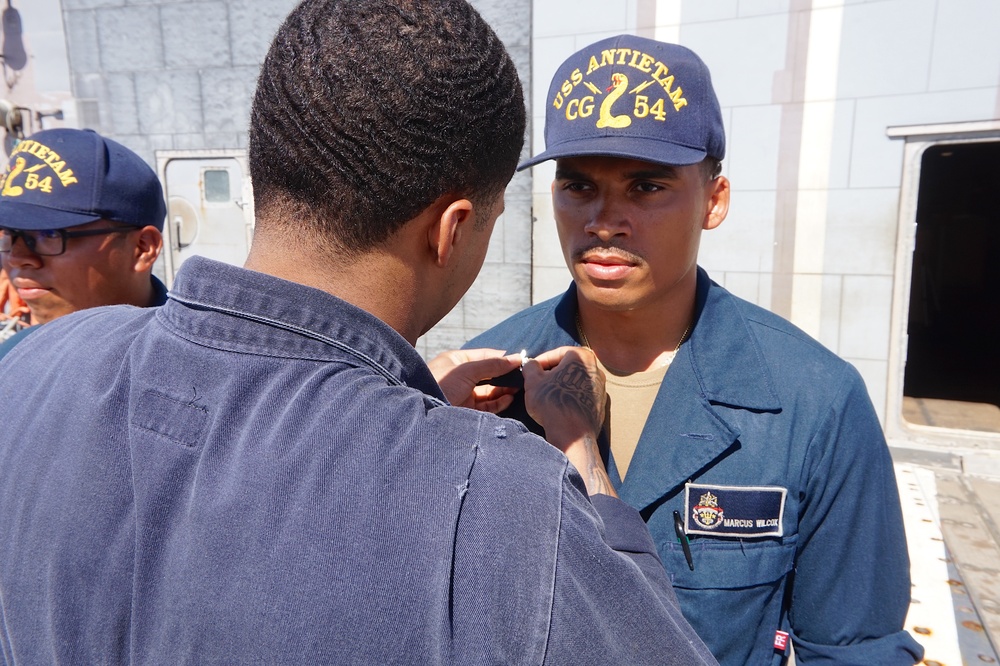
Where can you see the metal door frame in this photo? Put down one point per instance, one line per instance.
(918, 139)
(163, 158)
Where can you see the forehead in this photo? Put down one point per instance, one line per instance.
(617, 167)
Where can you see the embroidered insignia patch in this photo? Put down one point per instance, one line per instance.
(734, 511)
(591, 92)
(707, 512)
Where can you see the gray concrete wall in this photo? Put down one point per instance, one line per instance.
(180, 74)
(169, 75)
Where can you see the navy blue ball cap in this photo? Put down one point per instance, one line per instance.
(632, 97)
(60, 178)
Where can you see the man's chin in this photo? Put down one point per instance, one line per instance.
(606, 297)
(43, 314)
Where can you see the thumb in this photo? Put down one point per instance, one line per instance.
(532, 370)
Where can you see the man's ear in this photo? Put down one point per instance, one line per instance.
(449, 229)
(147, 248)
(718, 202)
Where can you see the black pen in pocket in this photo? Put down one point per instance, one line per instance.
(682, 537)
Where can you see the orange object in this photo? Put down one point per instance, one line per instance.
(11, 305)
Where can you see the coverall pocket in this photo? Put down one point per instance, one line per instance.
(723, 563)
(734, 597)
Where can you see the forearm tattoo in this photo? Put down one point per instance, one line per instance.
(595, 477)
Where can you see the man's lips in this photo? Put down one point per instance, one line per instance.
(602, 266)
(29, 290)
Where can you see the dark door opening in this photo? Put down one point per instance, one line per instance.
(952, 374)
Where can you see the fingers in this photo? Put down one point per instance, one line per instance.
(458, 371)
(472, 365)
(553, 357)
(491, 393)
(489, 399)
(487, 368)
(452, 358)
(495, 406)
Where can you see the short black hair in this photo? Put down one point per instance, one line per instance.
(368, 111)
(711, 167)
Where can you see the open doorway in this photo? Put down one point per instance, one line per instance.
(952, 368)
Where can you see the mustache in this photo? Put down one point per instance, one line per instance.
(606, 249)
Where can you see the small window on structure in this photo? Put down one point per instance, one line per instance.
(216, 185)
(952, 373)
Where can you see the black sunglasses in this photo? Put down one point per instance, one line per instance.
(50, 242)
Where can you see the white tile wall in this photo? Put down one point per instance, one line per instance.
(548, 252)
(698, 11)
(861, 231)
(547, 54)
(744, 242)
(576, 17)
(966, 52)
(810, 230)
(744, 285)
(549, 282)
(727, 128)
(743, 56)
(840, 154)
(830, 311)
(865, 313)
(886, 48)
(752, 147)
(766, 289)
(495, 250)
(515, 237)
(807, 302)
(761, 7)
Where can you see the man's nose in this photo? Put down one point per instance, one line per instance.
(608, 219)
(21, 255)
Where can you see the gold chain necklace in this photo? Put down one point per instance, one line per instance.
(586, 342)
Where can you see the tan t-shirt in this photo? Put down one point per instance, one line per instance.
(632, 397)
